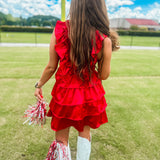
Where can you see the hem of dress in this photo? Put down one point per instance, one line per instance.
(79, 129)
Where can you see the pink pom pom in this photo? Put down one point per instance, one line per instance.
(36, 114)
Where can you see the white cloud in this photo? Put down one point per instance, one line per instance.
(116, 8)
(27, 8)
(137, 9)
(4, 10)
(126, 12)
(45, 7)
(156, 5)
(112, 5)
(153, 12)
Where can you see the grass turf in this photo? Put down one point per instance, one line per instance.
(132, 94)
(140, 41)
(18, 37)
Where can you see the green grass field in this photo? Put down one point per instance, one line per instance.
(132, 94)
(140, 41)
(18, 37)
(14, 37)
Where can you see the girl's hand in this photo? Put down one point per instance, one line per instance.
(38, 94)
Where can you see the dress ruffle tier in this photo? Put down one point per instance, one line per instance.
(75, 103)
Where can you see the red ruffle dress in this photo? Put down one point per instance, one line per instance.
(74, 102)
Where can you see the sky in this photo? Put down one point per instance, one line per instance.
(149, 9)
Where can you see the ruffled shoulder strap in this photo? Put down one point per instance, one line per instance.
(62, 40)
(99, 42)
(59, 29)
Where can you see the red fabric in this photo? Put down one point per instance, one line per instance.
(74, 102)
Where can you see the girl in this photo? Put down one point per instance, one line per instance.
(78, 95)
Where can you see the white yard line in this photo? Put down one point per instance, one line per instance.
(118, 77)
(140, 48)
(47, 45)
(134, 77)
(23, 45)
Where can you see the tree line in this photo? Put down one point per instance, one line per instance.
(39, 20)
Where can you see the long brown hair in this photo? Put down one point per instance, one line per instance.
(85, 17)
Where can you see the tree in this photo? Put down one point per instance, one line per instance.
(134, 27)
(47, 23)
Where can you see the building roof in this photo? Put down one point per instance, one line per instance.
(135, 21)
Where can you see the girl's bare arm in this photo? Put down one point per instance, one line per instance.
(50, 67)
(105, 63)
(52, 64)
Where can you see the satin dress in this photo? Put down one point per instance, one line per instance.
(75, 102)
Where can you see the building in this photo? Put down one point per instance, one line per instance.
(126, 23)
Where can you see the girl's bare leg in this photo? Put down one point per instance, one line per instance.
(59, 149)
(85, 133)
(63, 135)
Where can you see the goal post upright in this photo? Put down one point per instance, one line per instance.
(63, 10)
